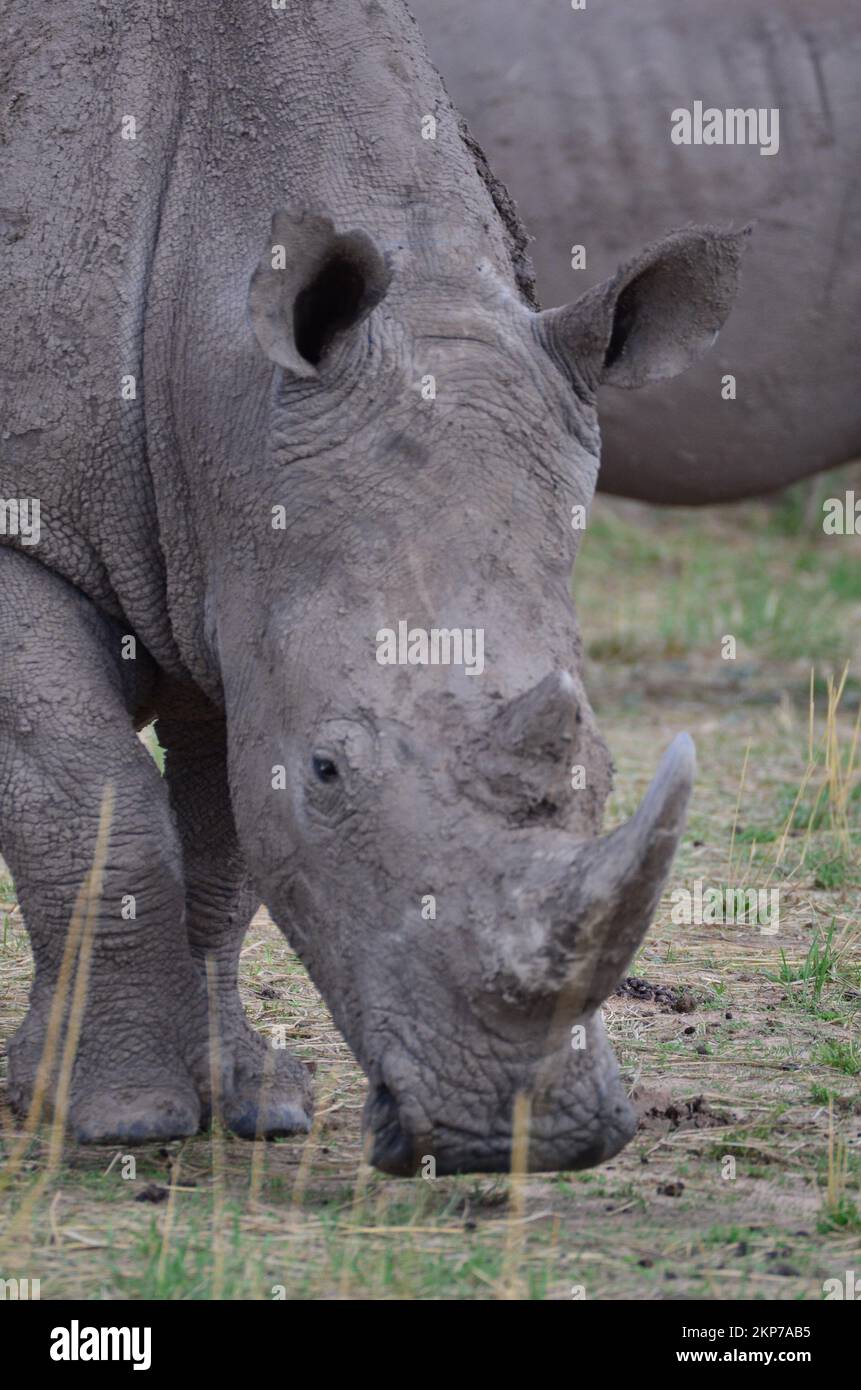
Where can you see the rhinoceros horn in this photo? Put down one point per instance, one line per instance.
(582, 913)
(541, 720)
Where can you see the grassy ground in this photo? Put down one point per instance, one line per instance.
(741, 1050)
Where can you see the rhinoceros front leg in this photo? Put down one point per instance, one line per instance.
(256, 1098)
(67, 701)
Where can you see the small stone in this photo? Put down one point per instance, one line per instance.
(153, 1193)
(671, 1189)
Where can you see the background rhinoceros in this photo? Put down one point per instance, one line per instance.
(575, 108)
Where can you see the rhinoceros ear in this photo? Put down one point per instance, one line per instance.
(312, 285)
(656, 316)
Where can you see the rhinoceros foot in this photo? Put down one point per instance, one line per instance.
(141, 1115)
(265, 1092)
(156, 1085)
(112, 1097)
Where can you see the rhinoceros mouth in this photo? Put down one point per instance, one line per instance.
(392, 1151)
(390, 1147)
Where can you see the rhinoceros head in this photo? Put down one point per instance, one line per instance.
(427, 831)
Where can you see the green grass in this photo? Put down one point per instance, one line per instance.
(397, 1267)
(842, 1055)
(756, 835)
(816, 970)
(814, 813)
(686, 589)
(729, 1235)
(831, 871)
(839, 1217)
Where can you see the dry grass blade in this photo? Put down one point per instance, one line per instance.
(521, 1120)
(78, 949)
(217, 1132)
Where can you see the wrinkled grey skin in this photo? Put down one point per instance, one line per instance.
(259, 388)
(573, 109)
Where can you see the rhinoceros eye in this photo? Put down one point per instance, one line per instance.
(324, 769)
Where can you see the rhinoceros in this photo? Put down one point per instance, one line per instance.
(585, 111)
(280, 430)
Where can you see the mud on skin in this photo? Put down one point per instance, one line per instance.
(293, 385)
